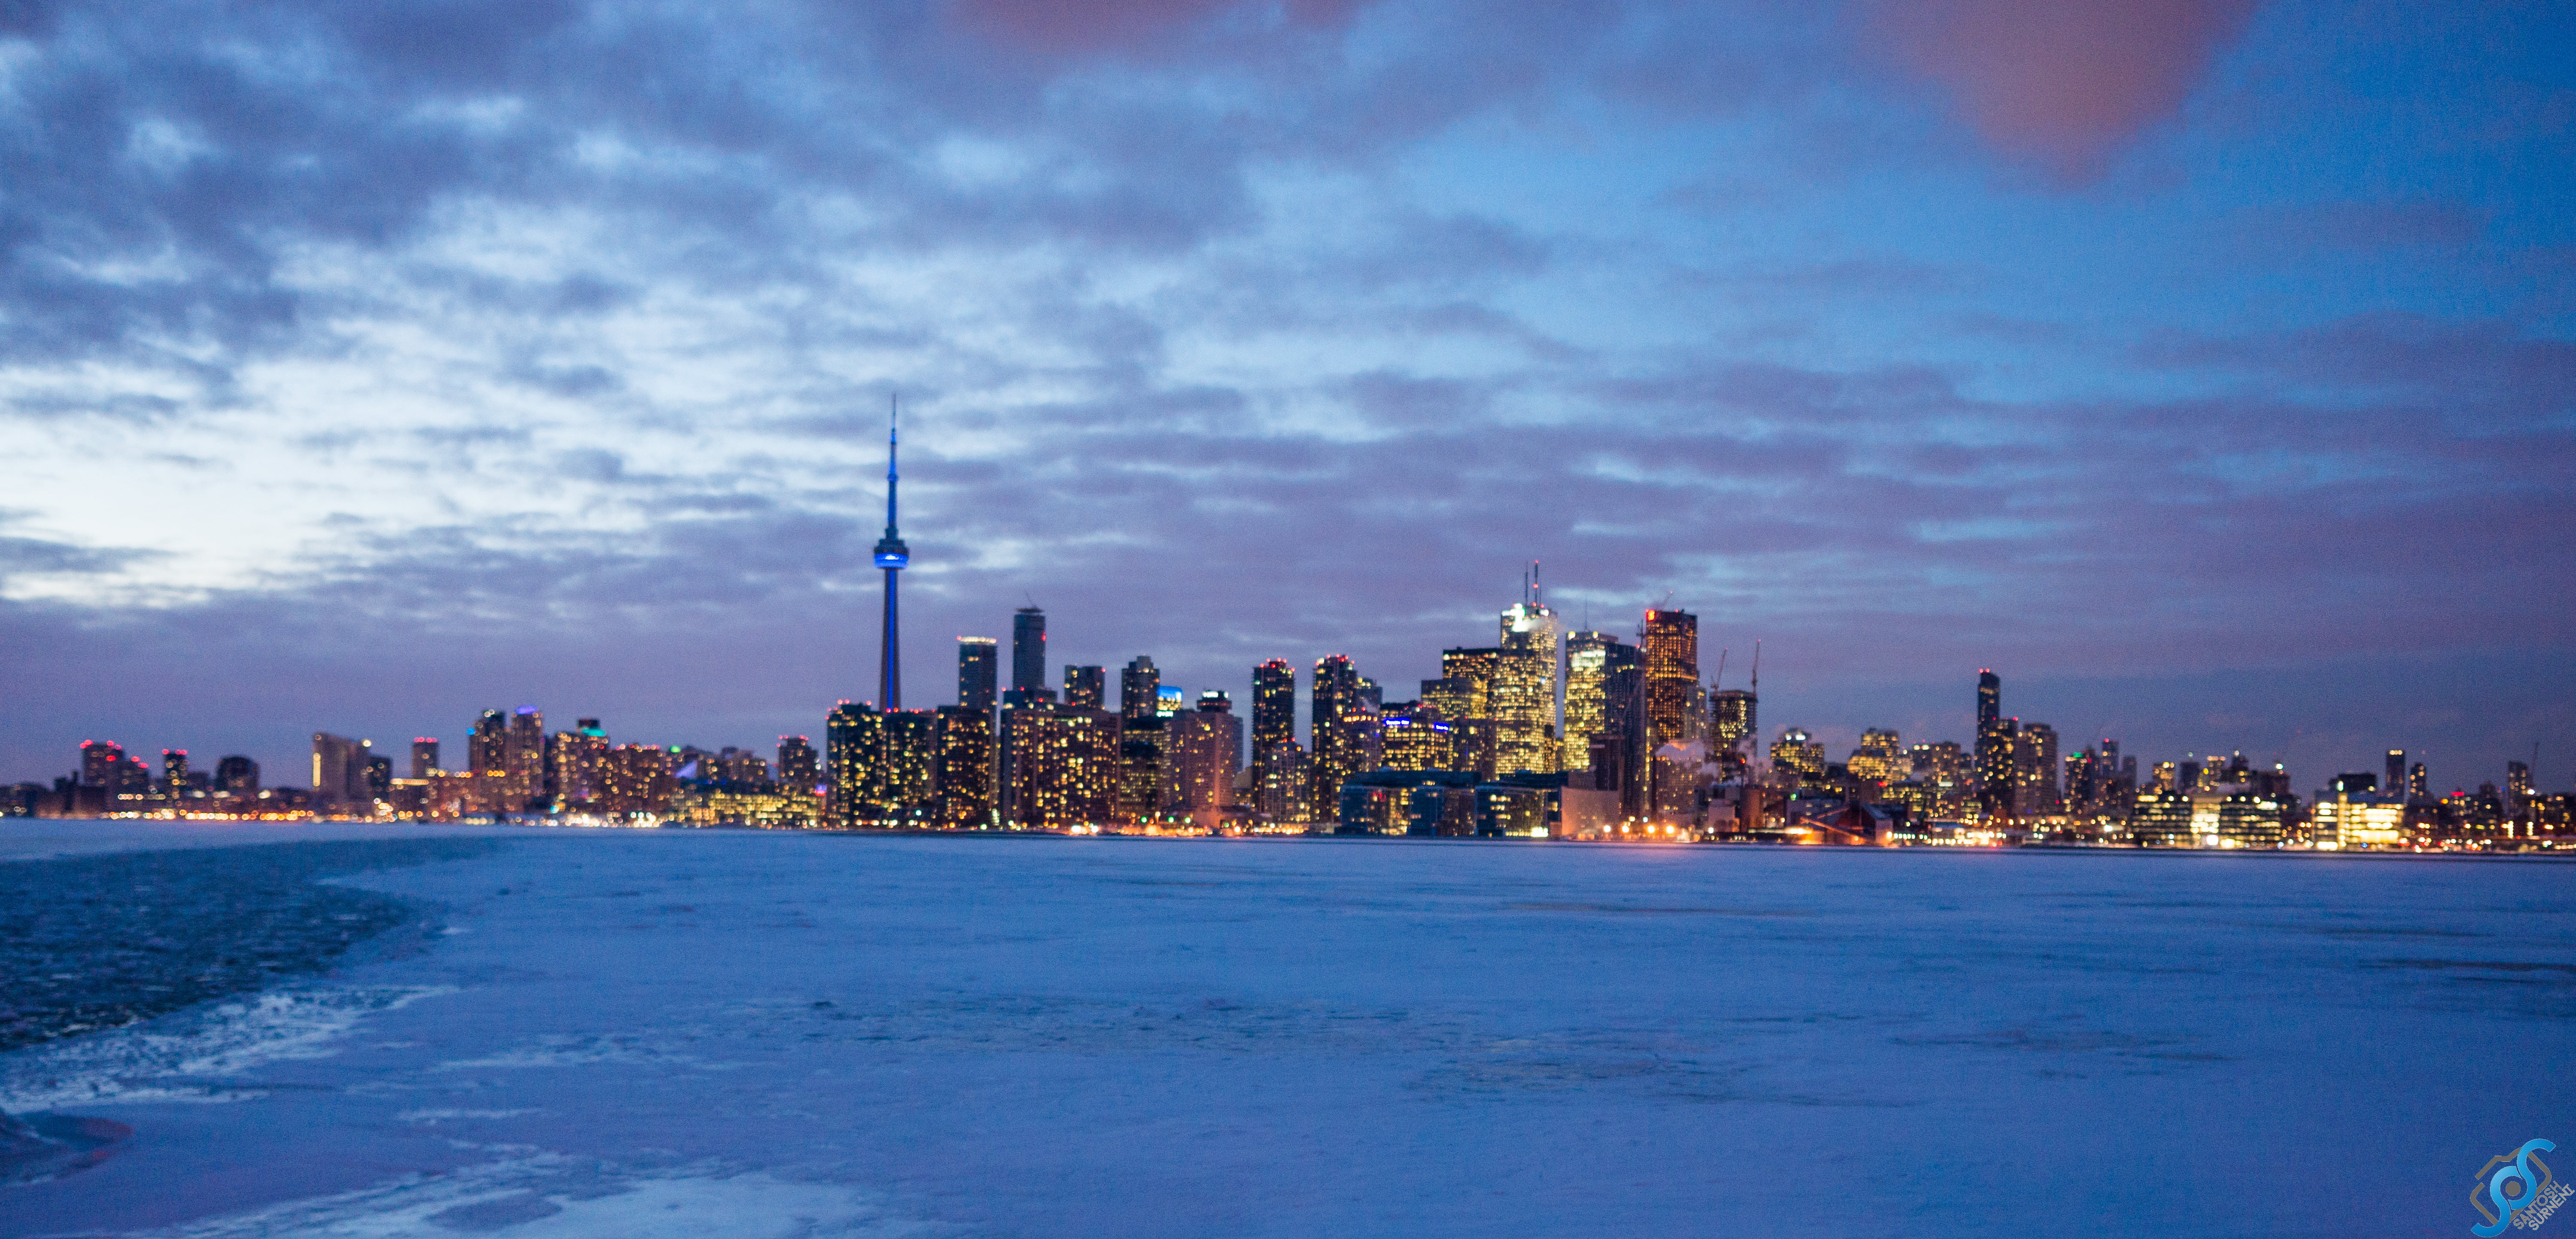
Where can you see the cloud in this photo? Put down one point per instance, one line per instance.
(2063, 82)
(1081, 26)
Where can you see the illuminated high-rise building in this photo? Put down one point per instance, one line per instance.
(487, 746)
(1671, 644)
(2396, 770)
(1274, 711)
(1474, 667)
(237, 776)
(1735, 718)
(963, 782)
(1797, 754)
(102, 764)
(340, 773)
(1997, 751)
(1142, 754)
(978, 661)
(638, 781)
(853, 745)
(1591, 659)
(1334, 699)
(799, 766)
(174, 773)
(1523, 699)
(581, 765)
(2517, 782)
(1138, 685)
(1942, 771)
(523, 758)
(1283, 786)
(1064, 767)
(891, 557)
(2035, 792)
(903, 788)
(1880, 759)
(1085, 686)
(1203, 752)
(424, 756)
(1028, 648)
(2417, 785)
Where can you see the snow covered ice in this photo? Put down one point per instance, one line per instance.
(645, 1033)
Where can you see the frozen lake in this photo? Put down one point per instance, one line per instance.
(622, 1034)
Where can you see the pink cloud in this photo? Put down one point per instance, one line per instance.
(1076, 26)
(2061, 81)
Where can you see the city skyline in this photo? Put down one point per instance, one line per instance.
(2204, 366)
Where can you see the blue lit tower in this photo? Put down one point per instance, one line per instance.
(893, 557)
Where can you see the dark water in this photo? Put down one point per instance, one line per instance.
(97, 942)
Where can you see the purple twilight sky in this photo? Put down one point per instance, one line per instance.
(2206, 367)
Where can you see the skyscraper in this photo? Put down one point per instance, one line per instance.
(1138, 684)
(486, 746)
(799, 766)
(1734, 717)
(978, 661)
(1334, 697)
(523, 758)
(2035, 763)
(581, 765)
(424, 756)
(1202, 753)
(102, 763)
(853, 743)
(2395, 777)
(1028, 648)
(174, 773)
(1587, 657)
(237, 775)
(1524, 692)
(1996, 750)
(892, 556)
(1274, 711)
(1142, 752)
(964, 779)
(1085, 686)
(340, 772)
(1990, 699)
(1672, 671)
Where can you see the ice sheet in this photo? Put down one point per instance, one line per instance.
(1194, 1037)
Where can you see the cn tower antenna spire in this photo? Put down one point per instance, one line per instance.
(892, 556)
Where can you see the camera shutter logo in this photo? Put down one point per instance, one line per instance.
(2507, 1192)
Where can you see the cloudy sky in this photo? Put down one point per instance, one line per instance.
(2206, 367)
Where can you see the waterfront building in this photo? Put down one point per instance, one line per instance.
(1204, 752)
(424, 756)
(799, 766)
(237, 775)
(1284, 783)
(1142, 754)
(102, 764)
(340, 774)
(2035, 792)
(1334, 699)
(962, 790)
(853, 745)
(487, 745)
(2162, 817)
(580, 762)
(523, 758)
(1064, 767)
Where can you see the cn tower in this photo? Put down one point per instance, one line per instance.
(893, 557)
